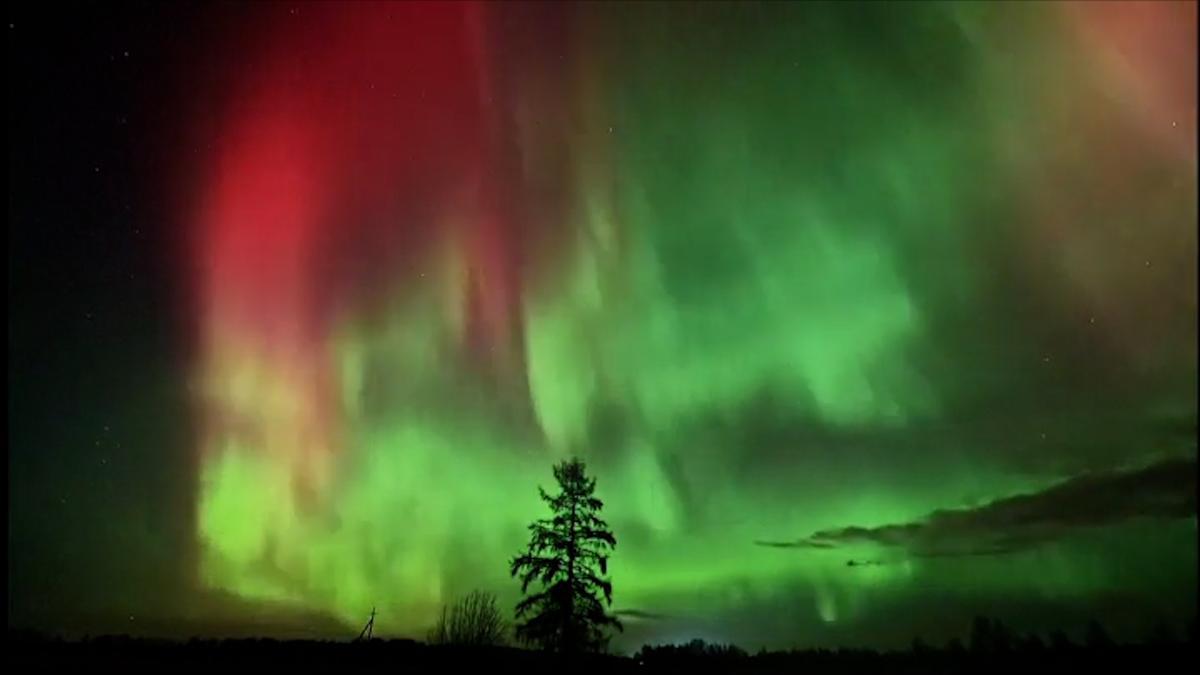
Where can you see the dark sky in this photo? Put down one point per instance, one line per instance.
(99, 478)
(305, 299)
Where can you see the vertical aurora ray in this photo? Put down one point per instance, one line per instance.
(739, 270)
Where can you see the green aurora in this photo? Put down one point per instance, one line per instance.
(774, 271)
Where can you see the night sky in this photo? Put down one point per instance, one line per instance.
(866, 318)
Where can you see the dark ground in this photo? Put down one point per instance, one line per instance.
(29, 652)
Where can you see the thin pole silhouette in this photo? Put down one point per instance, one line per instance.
(369, 628)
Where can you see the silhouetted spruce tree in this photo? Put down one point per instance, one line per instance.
(563, 557)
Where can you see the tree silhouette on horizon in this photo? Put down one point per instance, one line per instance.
(567, 556)
(471, 621)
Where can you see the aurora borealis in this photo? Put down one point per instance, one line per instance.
(908, 286)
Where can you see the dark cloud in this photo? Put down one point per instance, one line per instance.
(1165, 490)
(803, 543)
(640, 615)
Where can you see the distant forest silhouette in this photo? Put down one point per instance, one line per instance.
(988, 646)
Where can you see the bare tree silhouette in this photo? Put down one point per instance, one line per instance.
(472, 621)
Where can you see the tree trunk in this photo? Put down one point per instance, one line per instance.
(569, 627)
